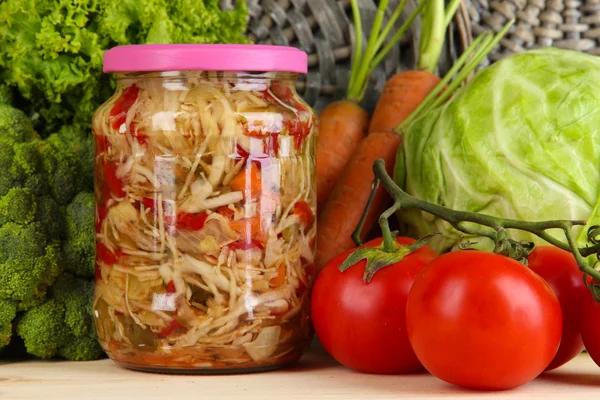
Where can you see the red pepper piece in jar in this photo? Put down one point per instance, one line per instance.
(192, 222)
(274, 144)
(171, 287)
(138, 134)
(172, 327)
(285, 93)
(298, 130)
(226, 212)
(258, 158)
(241, 153)
(100, 143)
(303, 212)
(101, 213)
(114, 184)
(122, 105)
(108, 257)
(149, 203)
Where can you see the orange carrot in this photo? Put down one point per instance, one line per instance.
(348, 199)
(248, 181)
(401, 95)
(401, 98)
(279, 280)
(342, 125)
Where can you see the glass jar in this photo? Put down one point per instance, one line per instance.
(205, 205)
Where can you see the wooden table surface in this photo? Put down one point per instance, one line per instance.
(317, 376)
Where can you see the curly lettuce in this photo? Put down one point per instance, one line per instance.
(51, 50)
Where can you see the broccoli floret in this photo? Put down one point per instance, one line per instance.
(46, 226)
(8, 312)
(29, 263)
(61, 169)
(81, 143)
(18, 206)
(21, 167)
(43, 329)
(63, 326)
(46, 167)
(49, 215)
(15, 125)
(6, 95)
(78, 247)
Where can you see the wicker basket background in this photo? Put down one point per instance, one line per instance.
(567, 24)
(323, 29)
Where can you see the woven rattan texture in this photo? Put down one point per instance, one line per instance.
(567, 24)
(324, 30)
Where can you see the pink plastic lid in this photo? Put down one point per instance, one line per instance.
(205, 57)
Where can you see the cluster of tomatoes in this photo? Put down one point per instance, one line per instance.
(471, 318)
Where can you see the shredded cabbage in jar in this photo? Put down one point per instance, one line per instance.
(205, 225)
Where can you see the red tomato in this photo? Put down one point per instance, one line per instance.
(560, 270)
(590, 327)
(362, 325)
(483, 321)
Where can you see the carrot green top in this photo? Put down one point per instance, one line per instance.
(365, 61)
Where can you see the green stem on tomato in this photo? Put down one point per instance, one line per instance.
(496, 226)
(356, 234)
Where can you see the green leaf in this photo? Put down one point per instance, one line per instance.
(377, 258)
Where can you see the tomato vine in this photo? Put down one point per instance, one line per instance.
(491, 227)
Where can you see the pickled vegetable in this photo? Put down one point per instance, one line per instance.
(205, 229)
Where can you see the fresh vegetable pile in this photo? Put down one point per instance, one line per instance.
(51, 69)
(507, 315)
(475, 292)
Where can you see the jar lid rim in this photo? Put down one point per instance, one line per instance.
(205, 57)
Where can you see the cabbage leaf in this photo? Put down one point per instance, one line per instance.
(521, 141)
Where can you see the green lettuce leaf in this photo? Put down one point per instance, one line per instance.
(51, 50)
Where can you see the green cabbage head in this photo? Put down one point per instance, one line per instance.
(521, 141)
